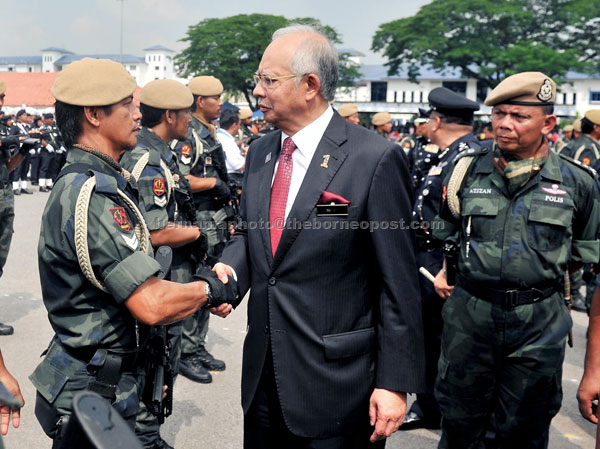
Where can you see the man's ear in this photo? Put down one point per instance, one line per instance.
(169, 116)
(313, 84)
(92, 115)
(549, 124)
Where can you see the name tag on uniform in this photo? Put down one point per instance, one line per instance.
(332, 210)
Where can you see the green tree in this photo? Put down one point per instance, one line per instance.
(489, 40)
(231, 48)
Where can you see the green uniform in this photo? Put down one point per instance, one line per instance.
(7, 205)
(585, 150)
(92, 326)
(201, 155)
(503, 342)
(157, 202)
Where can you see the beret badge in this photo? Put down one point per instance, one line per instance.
(545, 93)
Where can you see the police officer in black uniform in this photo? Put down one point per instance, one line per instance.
(450, 129)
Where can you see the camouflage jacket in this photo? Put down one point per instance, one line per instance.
(530, 238)
(82, 315)
(156, 202)
(206, 160)
(585, 150)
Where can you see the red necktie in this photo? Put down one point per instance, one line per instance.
(279, 192)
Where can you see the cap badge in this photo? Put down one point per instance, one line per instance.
(545, 93)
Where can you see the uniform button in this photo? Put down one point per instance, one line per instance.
(266, 329)
(425, 192)
(272, 281)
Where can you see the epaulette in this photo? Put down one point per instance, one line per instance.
(579, 164)
(470, 151)
(204, 133)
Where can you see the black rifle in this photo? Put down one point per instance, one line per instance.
(450, 250)
(158, 367)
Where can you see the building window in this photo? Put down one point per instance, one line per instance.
(11, 69)
(158, 58)
(595, 97)
(574, 98)
(482, 91)
(132, 67)
(421, 97)
(403, 97)
(395, 96)
(31, 69)
(379, 91)
(412, 96)
(460, 87)
(156, 67)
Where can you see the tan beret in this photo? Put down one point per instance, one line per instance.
(93, 82)
(2, 87)
(166, 94)
(568, 128)
(593, 116)
(577, 125)
(348, 109)
(206, 86)
(381, 118)
(245, 113)
(526, 89)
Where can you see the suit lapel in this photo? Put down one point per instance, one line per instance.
(315, 181)
(264, 191)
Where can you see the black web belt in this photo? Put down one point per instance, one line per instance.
(511, 297)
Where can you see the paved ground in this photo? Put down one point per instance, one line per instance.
(206, 416)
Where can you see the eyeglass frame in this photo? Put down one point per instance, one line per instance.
(258, 78)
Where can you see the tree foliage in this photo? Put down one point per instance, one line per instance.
(489, 40)
(231, 49)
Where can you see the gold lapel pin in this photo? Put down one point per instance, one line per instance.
(325, 163)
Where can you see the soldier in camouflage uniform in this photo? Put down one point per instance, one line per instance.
(165, 107)
(202, 162)
(11, 400)
(9, 160)
(382, 121)
(449, 128)
(524, 216)
(95, 258)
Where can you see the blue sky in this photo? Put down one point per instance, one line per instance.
(93, 26)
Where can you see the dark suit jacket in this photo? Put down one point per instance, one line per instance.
(340, 306)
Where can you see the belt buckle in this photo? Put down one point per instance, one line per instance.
(510, 298)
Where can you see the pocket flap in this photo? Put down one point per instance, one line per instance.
(543, 212)
(349, 344)
(478, 205)
(48, 380)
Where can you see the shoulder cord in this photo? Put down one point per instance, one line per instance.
(141, 164)
(81, 229)
(582, 148)
(455, 183)
(199, 147)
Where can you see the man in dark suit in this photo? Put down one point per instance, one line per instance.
(334, 336)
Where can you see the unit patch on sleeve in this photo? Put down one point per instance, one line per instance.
(120, 216)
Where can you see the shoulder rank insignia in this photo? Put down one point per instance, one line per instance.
(431, 148)
(120, 216)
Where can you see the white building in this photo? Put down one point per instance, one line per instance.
(157, 63)
(377, 91)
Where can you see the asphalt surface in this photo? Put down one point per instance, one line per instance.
(205, 416)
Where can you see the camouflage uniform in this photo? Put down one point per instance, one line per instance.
(91, 326)
(207, 162)
(497, 357)
(7, 204)
(158, 206)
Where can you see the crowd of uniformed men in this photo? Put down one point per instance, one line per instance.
(517, 198)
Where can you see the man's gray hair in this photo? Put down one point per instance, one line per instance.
(316, 56)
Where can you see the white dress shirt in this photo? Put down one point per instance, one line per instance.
(233, 157)
(306, 140)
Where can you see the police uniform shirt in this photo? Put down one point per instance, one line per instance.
(529, 239)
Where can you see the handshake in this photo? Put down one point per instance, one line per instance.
(217, 292)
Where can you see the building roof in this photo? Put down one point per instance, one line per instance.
(350, 51)
(10, 60)
(31, 89)
(158, 48)
(127, 59)
(59, 50)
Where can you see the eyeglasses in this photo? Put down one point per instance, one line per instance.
(267, 81)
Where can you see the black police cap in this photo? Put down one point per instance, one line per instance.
(48, 115)
(447, 102)
(424, 113)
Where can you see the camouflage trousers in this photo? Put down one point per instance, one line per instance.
(59, 376)
(147, 427)
(505, 363)
(195, 327)
(7, 216)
